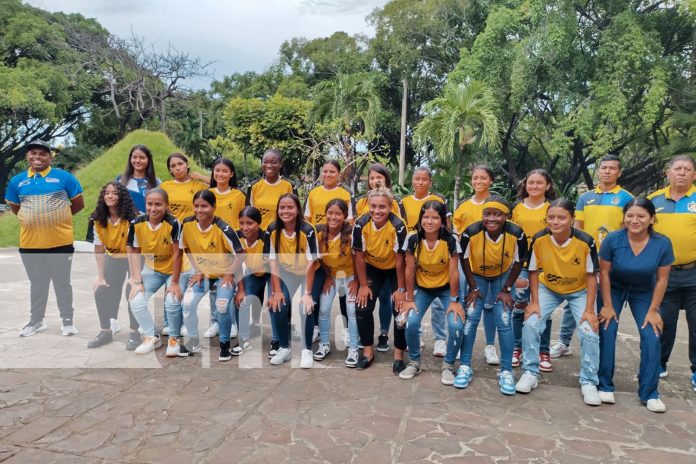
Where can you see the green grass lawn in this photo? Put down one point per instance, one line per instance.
(97, 173)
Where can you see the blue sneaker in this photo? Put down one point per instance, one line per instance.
(693, 381)
(507, 383)
(463, 377)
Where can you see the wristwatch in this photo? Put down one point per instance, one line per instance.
(454, 299)
(507, 289)
(402, 290)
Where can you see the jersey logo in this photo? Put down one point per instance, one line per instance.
(386, 242)
(660, 209)
(560, 280)
(506, 254)
(691, 207)
(590, 201)
(615, 201)
(165, 241)
(442, 261)
(575, 260)
(52, 180)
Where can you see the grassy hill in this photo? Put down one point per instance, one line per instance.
(97, 173)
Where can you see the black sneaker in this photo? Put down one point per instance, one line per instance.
(398, 366)
(102, 338)
(275, 346)
(225, 354)
(133, 341)
(183, 351)
(383, 343)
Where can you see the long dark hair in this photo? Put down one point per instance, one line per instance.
(149, 172)
(381, 170)
(550, 193)
(647, 205)
(346, 230)
(280, 225)
(486, 169)
(227, 162)
(441, 211)
(126, 208)
(182, 157)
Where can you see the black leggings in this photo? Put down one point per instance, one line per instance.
(376, 280)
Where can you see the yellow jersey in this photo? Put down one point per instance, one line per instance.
(295, 252)
(255, 260)
(466, 214)
(492, 258)
(213, 249)
(113, 237)
(677, 220)
(181, 196)
(264, 196)
(319, 197)
(336, 256)
(156, 243)
(363, 207)
(601, 212)
(432, 265)
(532, 220)
(379, 245)
(228, 205)
(411, 206)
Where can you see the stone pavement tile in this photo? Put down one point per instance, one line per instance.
(267, 454)
(468, 459)
(658, 456)
(489, 446)
(7, 451)
(36, 429)
(349, 436)
(79, 443)
(315, 436)
(374, 451)
(441, 445)
(336, 453)
(565, 458)
(589, 449)
(412, 453)
(168, 454)
(662, 438)
(37, 456)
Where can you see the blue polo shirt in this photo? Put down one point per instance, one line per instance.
(44, 200)
(137, 188)
(631, 271)
(677, 220)
(601, 212)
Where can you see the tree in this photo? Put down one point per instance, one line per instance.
(465, 114)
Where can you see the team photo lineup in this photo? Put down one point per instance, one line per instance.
(388, 260)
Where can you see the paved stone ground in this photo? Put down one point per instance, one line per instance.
(60, 402)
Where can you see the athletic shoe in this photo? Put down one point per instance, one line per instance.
(194, 345)
(663, 372)
(184, 331)
(463, 377)
(239, 350)
(172, 348)
(69, 330)
(364, 363)
(447, 377)
(148, 345)
(491, 355)
(345, 337)
(102, 338)
(412, 370)
(516, 357)
(315, 334)
(656, 405)
(558, 349)
(545, 362)
(383, 343)
(693, 381)
(398, 366)
(606, 397)
(439, 348)
(115, 326)
(282, 356)
(165, 330)
(527, 382)
(352, 358)
(590, 395)
(134, 341)
(233, 331)
(212, 331)
(506, 381)
(32, 328)
(323, 351)
(225, 353)
(183, 351)
(275, 346)
(307, 360)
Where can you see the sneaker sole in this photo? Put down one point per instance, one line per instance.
(507, 392)
(461, 387)
(447, 384)
(408, 377)
(223, 359)
(543, 369)
(170, 354)
(352, 365)
(383, 349)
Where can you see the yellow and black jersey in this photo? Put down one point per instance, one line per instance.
(228, 205)
(155, 243)
(492, 258)
(337, 256)
(294, 252)
(212, 249)
(319, 197)
(532, 220)
(363, 207)
(113, 237)
(379, 245)
(601, 212)
(410, 207)
(466, 214)
(181, 196)
(563, 267)
(677, 220)
(264, 196)
(432, 265)
(255, 260)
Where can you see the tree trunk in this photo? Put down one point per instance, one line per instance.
(200, 124)
(457, 180)
(163, 121)
(402, 142)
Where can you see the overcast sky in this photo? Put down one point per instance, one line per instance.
(239, 35)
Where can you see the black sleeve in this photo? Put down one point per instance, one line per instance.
(357, 236)
(401, 234)
(411, 243)
(90, 231)
(131, 234)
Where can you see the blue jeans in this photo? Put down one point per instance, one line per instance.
(522, 299)
(649, 371)
(589, 341)
(254, 287)
(463, 335)
(193, 296)
(568, 326)
(423, 298)
(326, 300)
(280, 320)
(488, 318)
(153, 281)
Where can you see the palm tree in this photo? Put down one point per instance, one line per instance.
(463, 115)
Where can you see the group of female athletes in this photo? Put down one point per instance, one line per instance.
(511, 266)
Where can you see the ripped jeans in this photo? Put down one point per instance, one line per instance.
(193, 296)
(535, 325)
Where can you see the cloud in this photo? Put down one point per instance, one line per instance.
(354, 7)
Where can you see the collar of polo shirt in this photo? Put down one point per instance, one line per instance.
(691, 191)
(616, 189)
(43, 173)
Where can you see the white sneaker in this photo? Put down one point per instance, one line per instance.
(165, 331)
(558, 349)
(307, 360)
(352, 358)
(322, 351)
(412, 370)
(184, 331)
(69, 330)
(491, 355)
(115, 326)
(315, 334)
(233, 331)
(172, 348)
(606, 397)
(656, 405)
(240, 349)
(527, 383)
(439, 348)
(590, 395)
(32, 328)
(212, 331)
(345, 337)
(282, 356)
(148, 345)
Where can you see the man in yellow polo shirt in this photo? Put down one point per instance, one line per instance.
(676, 218)
(44, 200)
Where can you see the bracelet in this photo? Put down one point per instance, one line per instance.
(474, 290)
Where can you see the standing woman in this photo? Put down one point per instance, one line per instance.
(108, 231)
(467, 213)
(535, 193)
(493, 250)
(182, 187)
(634, 268)
(378, 240)
(432, 268)
(154, 236)
(265, 192)
(139, 175)
(292, 248)
(212, 247)
(563, 266)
